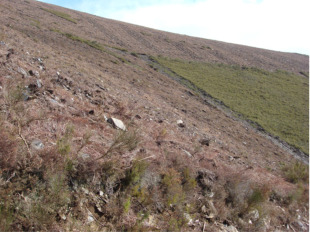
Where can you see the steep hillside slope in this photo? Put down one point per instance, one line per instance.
(64, 75)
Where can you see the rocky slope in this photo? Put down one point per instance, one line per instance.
(66, 166)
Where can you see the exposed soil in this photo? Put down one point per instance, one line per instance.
(81, 84)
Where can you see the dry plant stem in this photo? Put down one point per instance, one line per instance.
(22, 137)
(146, 158)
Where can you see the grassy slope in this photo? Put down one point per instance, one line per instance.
(278, 101)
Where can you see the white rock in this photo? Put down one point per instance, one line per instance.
(22, 71)
(37, 144)
(189, 219)
(90, 218)
(180, 123)
(254, 214)
(84, 156)
(39, 83)
(117, 123)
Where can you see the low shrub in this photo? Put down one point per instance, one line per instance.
(296, 172)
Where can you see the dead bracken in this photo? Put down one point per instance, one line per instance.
(93, 138)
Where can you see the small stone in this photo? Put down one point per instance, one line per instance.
(37, 144)
(40, 60)
(210, 216)
(90, 218)
(101, 193)
(39, 83)
(254, 214)
(117, 123)
(22, 71)
(189, 219)
(180, 123)
(205, 142)
(37, 74)
(62, 216)
(84, 156)
(25, 96)
(204, 209)
(86, 191)
(31, 73)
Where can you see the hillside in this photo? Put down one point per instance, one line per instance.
(65, 164)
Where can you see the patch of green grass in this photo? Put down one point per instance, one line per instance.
(296, 172)
(278, 101)
(35, 23)
(61, 15)
(94, 44)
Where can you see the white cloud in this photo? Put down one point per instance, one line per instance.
(273, 24)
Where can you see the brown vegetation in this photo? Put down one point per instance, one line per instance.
(63, 167)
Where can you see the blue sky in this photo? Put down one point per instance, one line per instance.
(280, 25)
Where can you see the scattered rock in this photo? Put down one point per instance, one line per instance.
(31, 73)
(206, 179)
(39, 83)
(32, 88)
(253, 215)
(205, 142)
(117, 123)
(189, 219)
(85, 191)
(40, 60)
(90, 218)
(10, 52)
(37, 144)
(84, 156)
(210, 216)
(180, 123)
(26, 96)
(22, 71)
